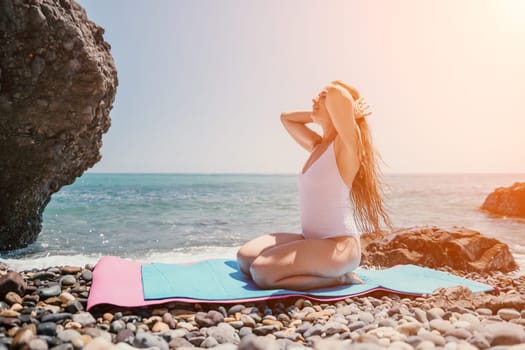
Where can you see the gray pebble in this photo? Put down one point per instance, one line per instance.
(97, 333)
(366, 317)
(180, 343)
(316, 329)
(197, 340)
(68, 335)
(331, 328)
(224, 333)
(508, 314)
(433, 337)
(147, 340)
(244, 331)
(254, 342)
(503, 333)
(74, 306)
(223, 311)
(263, 330)
(435, 313)
(356, 325)
(117, 326)
(235, 308)
(209, 342)
(84, 318)
(66, 346)
(420, 315)
(387, 322)
(484, 312)
(248, 321)
(479, 341)
(442, 326)
(459, 333)
(209, 319)
(236, 324)
(55, 317)
(303, 327)
(37, 344)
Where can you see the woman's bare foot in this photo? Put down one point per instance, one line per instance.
(350, 278)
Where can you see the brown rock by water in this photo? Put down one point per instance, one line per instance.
(57, 86)
(461, 249)
(11, 282)
(507, 201)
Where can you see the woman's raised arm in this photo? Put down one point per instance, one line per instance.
(295, 124)
(340, 107)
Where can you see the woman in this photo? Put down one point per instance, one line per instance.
(340, 171)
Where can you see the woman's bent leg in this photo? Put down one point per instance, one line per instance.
(252, 249)
(306, 264)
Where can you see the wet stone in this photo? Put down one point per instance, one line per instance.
(71, 270)
(87, 275)
(47, 328)
(74, 306)
(43, 276)
(52, 291)
(50, 317)
(67, 280)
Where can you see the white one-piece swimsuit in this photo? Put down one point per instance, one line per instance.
(324, 201)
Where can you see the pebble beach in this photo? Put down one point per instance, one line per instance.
(50, 314)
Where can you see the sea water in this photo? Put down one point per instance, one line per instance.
(184, 217)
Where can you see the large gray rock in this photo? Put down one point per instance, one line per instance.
(57, 86)
(507, 201)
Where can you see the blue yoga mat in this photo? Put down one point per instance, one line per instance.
(220, 280)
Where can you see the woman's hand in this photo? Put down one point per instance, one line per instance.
(361, 108)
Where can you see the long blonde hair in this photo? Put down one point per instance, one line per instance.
(367, 193)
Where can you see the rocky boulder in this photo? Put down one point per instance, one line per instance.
(460, 249)
(57, 86)
(507, 201)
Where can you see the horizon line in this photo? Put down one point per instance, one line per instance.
(284, 173)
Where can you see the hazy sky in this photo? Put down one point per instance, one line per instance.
(202, 82)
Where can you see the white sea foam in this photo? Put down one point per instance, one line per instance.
(175, 256)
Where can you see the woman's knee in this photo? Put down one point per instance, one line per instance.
(260, 275)
(244, 259)
(348, 256)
